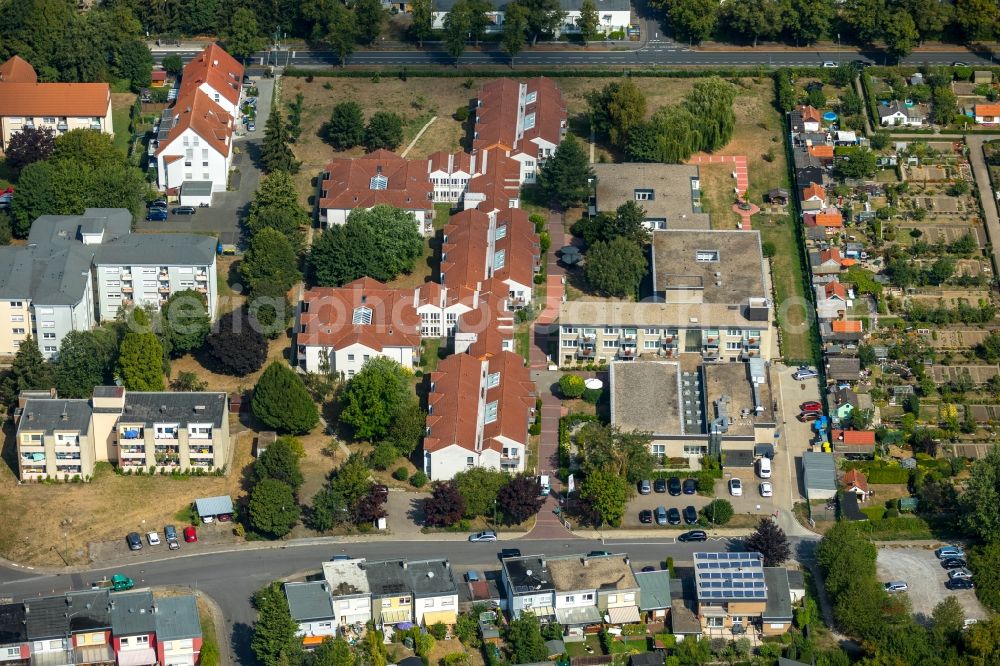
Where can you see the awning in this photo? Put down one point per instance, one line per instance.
(540, 611)
(313, 641)
(94, 654)
(143, 657)
(395, 615)
(444, 617)
(712, 611)
(578, 616)
(623, 615)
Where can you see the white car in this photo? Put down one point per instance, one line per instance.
(896, 586)
(766, 490)
(153, 538)
(735, 487)
(829, 64)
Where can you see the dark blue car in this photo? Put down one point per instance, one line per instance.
(690, 486)
(156, 215)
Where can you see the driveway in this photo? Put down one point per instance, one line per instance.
(795, 435)
(224, 217)
(921, 571)
(405, 514)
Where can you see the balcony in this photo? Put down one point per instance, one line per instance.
(202, 464)
(127, 290)
(164, 290)
(586, 352)
(95, 126)
(32, 445)
(68, 469)
(201, 290)
(132, 452)
(166, 450)
(202, 452)
(201, 277)
(126, 275)
(627, 354)
(167, 460)
(29, 458)
(587, 337)
(25, 471)
(166, 434)
(67, 456)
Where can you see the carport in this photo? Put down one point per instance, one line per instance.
(210, 508)
(819, 475)
(196, 192)
(739, 458)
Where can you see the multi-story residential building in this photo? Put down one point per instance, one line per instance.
(133, 628)
(737, 594)
(669, 193)
(449, 175)
(47, 628)
(593, 590)
(378, 178)
(525, 121)
(477, 247)
(89, 615)
(614, 15)
(349, 592)
(58, 438)
(435, 595)
(178, 631)
(339, 328)
(528, 587)
(194, 140)
(488, 328)
(310, 606)
(392, 599)
(692, 409)
(711, 297)
(47, 287)
(14, 647)
(61, 107)
(478, 413)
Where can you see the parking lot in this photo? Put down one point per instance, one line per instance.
(655, 499)
(921, 570)
(209, 535)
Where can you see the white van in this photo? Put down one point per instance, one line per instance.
(543, 482)
(764, 468)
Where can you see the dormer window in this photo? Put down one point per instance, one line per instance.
(501, 232)
(493, 380)
(499, 259)
(529, 122)
(362, 316)
(379, 182)
(644, 195)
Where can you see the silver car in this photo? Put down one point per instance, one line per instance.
(896, 586)
(961, 572)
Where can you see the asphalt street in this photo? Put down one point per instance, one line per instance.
(653, 53)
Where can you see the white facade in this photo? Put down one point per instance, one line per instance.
(232, 108)
(423, 218)
(540, 604)
(446, 603)
(143, 285)
(348, 360)
(446, 463)
(53, 322)
(349, 610)
(189, 157)
(610, 20)
(179, 652)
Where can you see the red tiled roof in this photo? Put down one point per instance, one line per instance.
(835, 288)
(833, 254)
(846, 326)
(855, 478)
(158, 75)
(72, 100)
(456, 415)
(498, 184)
(500, 117)
(328, 316)
(347, 183)
(854, 437)
(490, 321)
(17, 70)
(833, 219)
(218, 69)
(813, 190)
(810, 113)
(988, 109)
(469, 257)
(823, 152)
(197, 111)
(450, 162)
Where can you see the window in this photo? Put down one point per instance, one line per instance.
(650, 344)
(588, 597)
(529, 122)
(658, 449)
(612, 598)
(428, 603)
(499, 259)
(12, 652)
(629, 597)
(569, 330)
(48, 324)
(404, 600)
(733, 331)
(345, 604)
(16, 304)
(142, 640)
(733, 346)
(379, 182)
(362, 315)
(367, 356)
(491, 412)
(470, 461)
(114, 283)
(17, 331)
(49, 119)
(705, 256)
(644, 195)
(17, 317)
(652, 331)
(445, 603)
(569, 343)
(610, 344)
(501, 232)
(714, 622)
(610, 330)
(48, 336)
(570, 599)
(493, 380)
(694, 450)
(386, 603)
(46, 311)
(531, 97)
(350, 357)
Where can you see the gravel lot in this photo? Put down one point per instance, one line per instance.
(920, 569)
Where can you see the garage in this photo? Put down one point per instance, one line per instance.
(196, 193)
(819, 475)
(211, 509)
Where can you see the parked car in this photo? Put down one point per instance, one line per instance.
(811, 406)
(954, 563)
(809, 416)
(486, 535)
(764, 468)
(693, 535)
(340, 558)
(156, 215)
(735, 487)
(190, 534)
(959, 63)
(674, 486)
(472, 577)
(251, 126)
(804, 373)
(184, 210)
(598, 553)
(690, 486)
(959, 573)
(648, 569)
(674, 516)
(509, 552)
(170, 534)
(646, 516)
(134, 541)
(660, 485)
(690, 515)
(896, 586)
(661, 515)
(945, 552)
(766, 490)
(645, 487)
(153, 538)
(159, 203)
(959, 584)
(224, 517)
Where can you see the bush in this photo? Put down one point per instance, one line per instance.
(400, 474)
(419, 479)
(718, 512)
(382, 456)
(592, 396)
(571, 386)
(438, 630)
(462, 114)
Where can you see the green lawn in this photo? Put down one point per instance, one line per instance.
(786, 273)
(522, 339)
(120, 120)
(429, 354)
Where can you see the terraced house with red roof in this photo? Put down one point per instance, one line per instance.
(61, 107)
(194, 142)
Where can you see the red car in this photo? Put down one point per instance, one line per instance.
(190, 534)
(811, 406)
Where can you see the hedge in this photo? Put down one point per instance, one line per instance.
(404, 73)
(903, 528)
(879, 472)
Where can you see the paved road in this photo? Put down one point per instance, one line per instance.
(655, 52)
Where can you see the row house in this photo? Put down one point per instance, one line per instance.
(378, 178)
(479, 410)
(526, 121)
(488, 181)
(79, 270)
(614, 15)
(738, 595)
(356, 591)
(101, 627)
(60, 107)
(165, 431)
(193, 147)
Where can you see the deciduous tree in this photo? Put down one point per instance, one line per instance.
(242, 38)
(369, 17)
(479, 487)
(808, 21)
(185, 321)
(615, 267)
(616, 109)
(900, 33)
(544, 17)
(173, 64)
(754, 19)
(422, 23)
(718, 512)
(281, 401)
(589, 21)
(520, 498)
(384, 130)
(271, 262)
(281, 462)
(770, 541)
(407, 428)
(374, 396)
(571, 386)
(866, 18)
(524, 639)
(28, 146)
(977, 19)
(445, 506)
(980, 503)
(236, 347)
(515, 26)
(86, 360)
(346, 128)
(565, 178)
(607, 447)
(140, 356)
(273, 509)
(30, 371)
(605, 492)
(693, 20)
(333, 652)
(457, 24)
